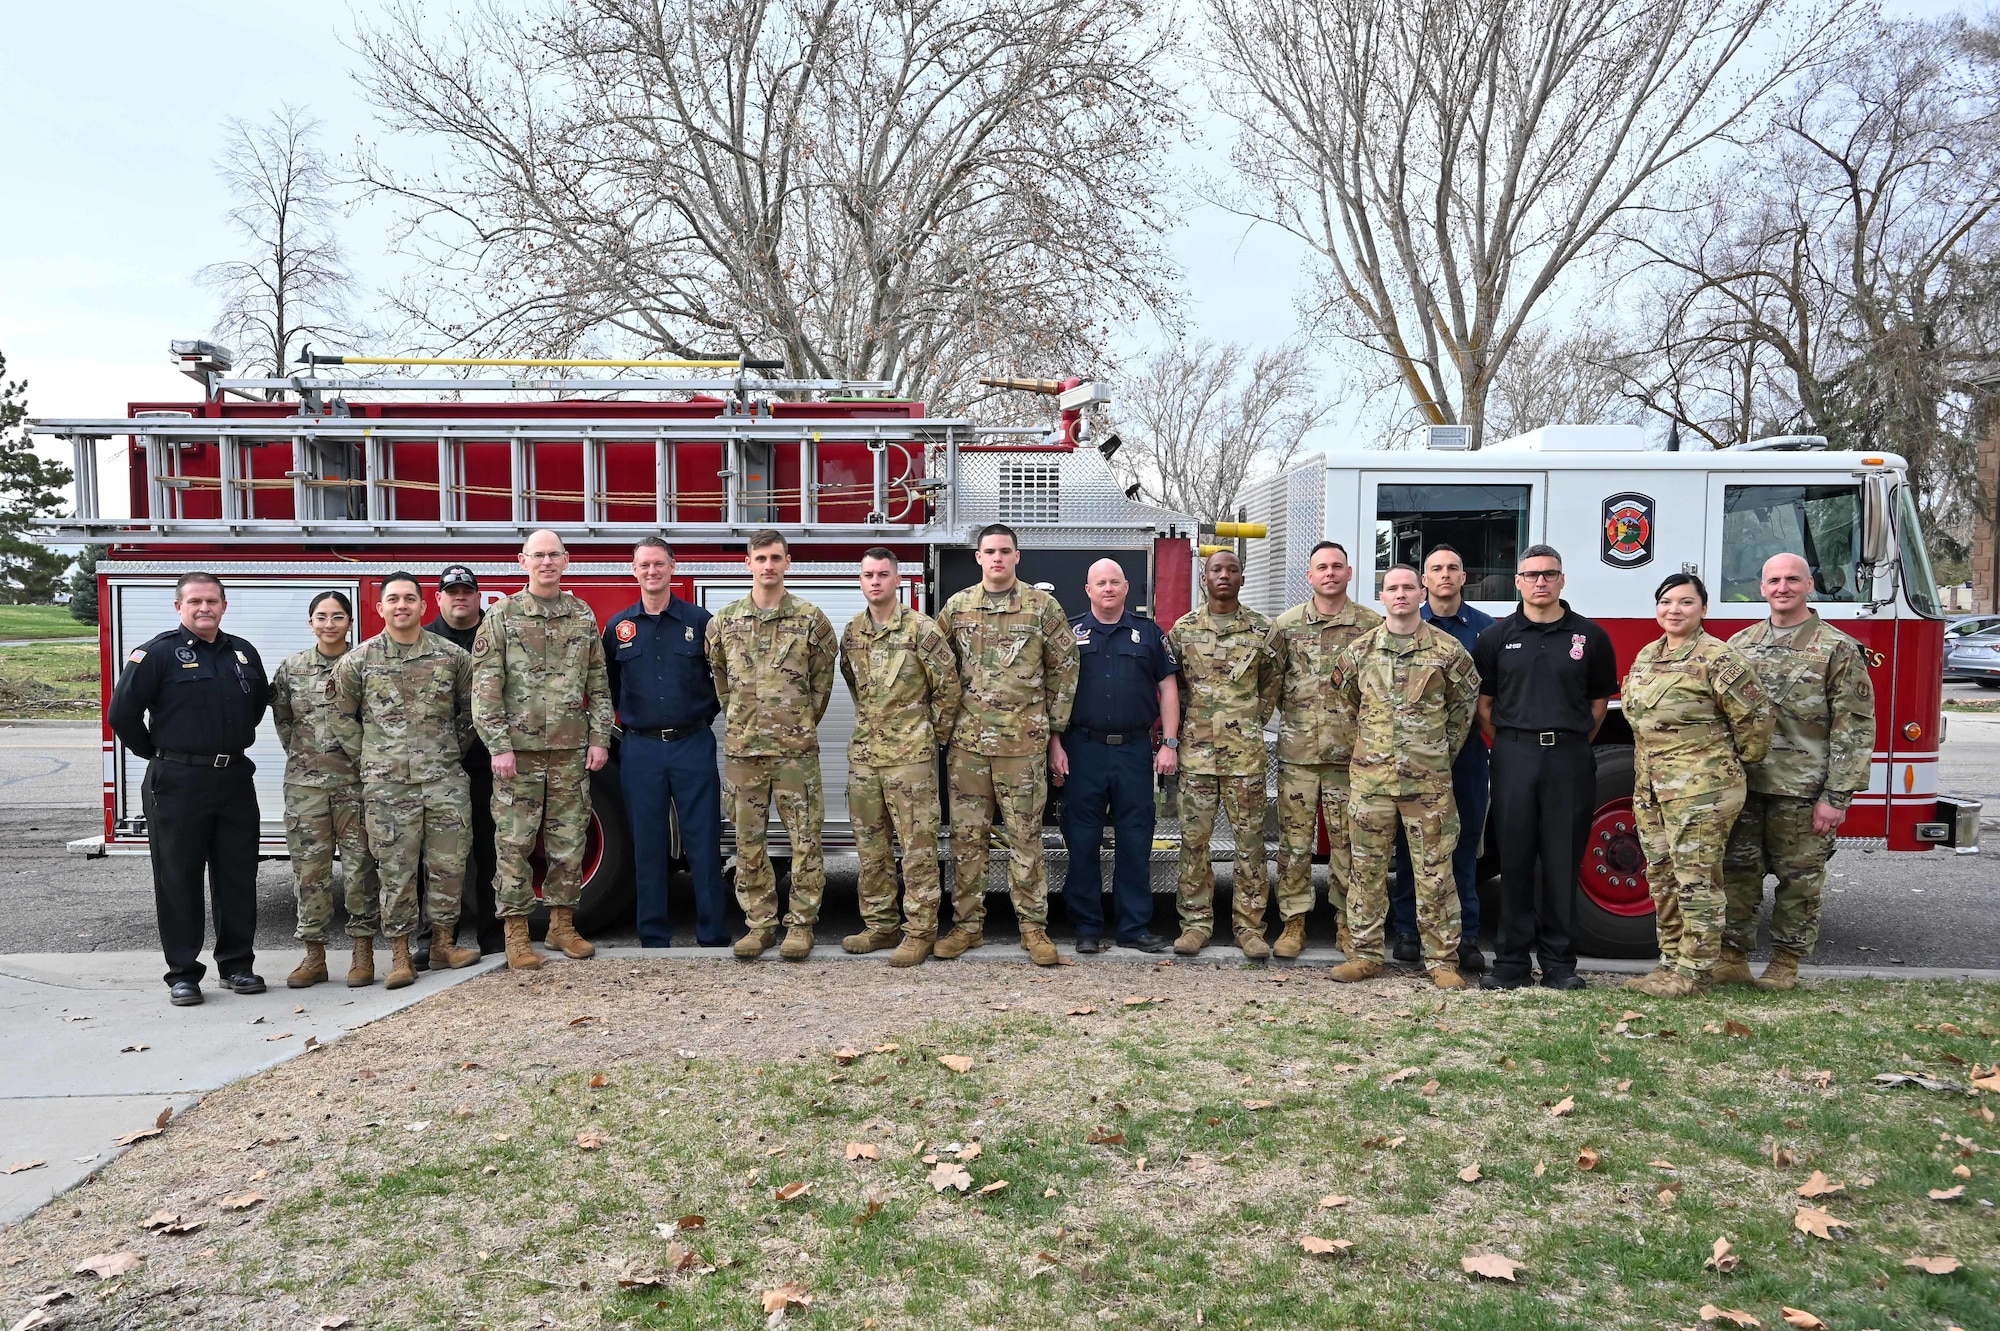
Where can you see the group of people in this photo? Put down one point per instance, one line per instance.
(460, 748)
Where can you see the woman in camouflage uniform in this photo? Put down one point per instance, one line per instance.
(323, 798)
(1698, 714)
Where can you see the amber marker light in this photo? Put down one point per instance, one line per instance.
(1912, 731)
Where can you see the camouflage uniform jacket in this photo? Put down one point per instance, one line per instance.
(538, 676)
(308, 723)
(1698, 714)
(905, 685)
(1817, 680)
(1412, 699)
(1017, 663)
(1318, 726)
(1229, 687)
(774, 675)
(404, 712)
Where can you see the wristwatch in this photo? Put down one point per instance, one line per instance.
(1170, 743)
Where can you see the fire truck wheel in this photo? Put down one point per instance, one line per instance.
(606, 900)
(1620, 925)
(1987, 683)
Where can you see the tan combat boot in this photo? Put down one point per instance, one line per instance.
(798, 944)
(1733, 968)
(445, 951)
(1359, 968)
(1293, 940)
(1782, 973)
(871, 940)
(311, 970)
(912, 950)
(361, 967)
(402, 969)
(754, 944)
(521, 954)
(961, 939)
(1035, 942)
(1191, 942)
(1342, 939)
(1649, 977)
(564, 937)
(1667, 982)
(1446, 977)
(1253, 944)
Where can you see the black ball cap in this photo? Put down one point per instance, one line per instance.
(457, 575)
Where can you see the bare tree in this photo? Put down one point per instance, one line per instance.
(1448, 161)
(1553, 377)
(1199, 419)
(293, 282)
(910, 190)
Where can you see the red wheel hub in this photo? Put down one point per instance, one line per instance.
(593, 854)
(1613, 872)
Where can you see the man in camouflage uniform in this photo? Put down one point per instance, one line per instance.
(402, 699)
(904, 679)
(772, 656)
(1412, 691)
(1314, 741)
(542, 704)
(1817, 680)
(1017, 668)
(1229, 686)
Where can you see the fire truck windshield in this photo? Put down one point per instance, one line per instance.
(1822, 523)
(1919, 583)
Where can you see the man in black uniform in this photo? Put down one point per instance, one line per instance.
(1127, 679)
(1546, 675)
(458, 616)
(206, 690)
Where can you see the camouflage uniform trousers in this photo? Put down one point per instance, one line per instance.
(1242, 798)
(1684, 840)
(749, 787)
(548, 797)
(1430, 825)
(1019, 789)
(317, 819)
(1300, 785)
(905, 799)
(1774, 834)
(426, 823)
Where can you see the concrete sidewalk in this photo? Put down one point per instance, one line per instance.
(70, 1090)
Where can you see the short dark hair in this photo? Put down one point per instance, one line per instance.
(1442, 549)
(1673, 580)
(996, 529)
(1403, 568)
(401, 575)
(187, 580)
(1328, 545)
(653, 543)
(1222, 550)
(768, 536)
(881, 552)
(346, 607)
(1541, 552)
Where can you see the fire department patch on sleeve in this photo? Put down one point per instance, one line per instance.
(627, 630)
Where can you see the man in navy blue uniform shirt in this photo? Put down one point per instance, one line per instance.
(1126, 682)
(655, 656)
(1444, 606)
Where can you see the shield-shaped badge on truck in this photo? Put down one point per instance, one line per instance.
(1626, 538)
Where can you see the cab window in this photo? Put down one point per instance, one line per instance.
(1486, 524)
(1821, 523)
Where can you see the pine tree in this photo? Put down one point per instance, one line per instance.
(83, 584)
(30, 488)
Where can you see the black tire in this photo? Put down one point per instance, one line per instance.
(1987, 683)
(1599, 933)
(606, 899)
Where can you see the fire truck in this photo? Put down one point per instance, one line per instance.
(353, 468)
(1624, 516)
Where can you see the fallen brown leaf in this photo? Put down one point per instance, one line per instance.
(1540, 1169)
(1395, 1077)
(784, 1296)
(863, 1151)
(1320, 1247)
(1950, 1194)
(242, 1202)
(23, 1166)
(1710, 1313)
(993, 1187)
(956, 1062)
(791, 1192)
(1562, 1107)
(581, 1020)
(1587, 1159)
(108, 1264)
(1819, 1186)
(165, 1116)
(1470, 1174)
(1801, 1319)
(1105, 1139)
(138, 1136)
(971, 1151)
(1721, 1260)
(337, 1322)
(1331, 1200)
(1258, 1104)
(1737, 1029)
(1079, 1012)
(1429, 1088)
(1491, 1265)
(887, 1048)
(1812, 1220)
(1662, 1164)
(947, 1174)
(1936, 1266)
(598, 1081)
(1782, 1157)
(591, 1140)
(1625, 1085)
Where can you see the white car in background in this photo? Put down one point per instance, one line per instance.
(1972, 651)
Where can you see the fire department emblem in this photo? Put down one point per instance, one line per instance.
(627, 630)
(1627, 535)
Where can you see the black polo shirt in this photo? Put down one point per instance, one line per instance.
(1545, 676)
(658, 667)
(180, 693)
(1119, 669)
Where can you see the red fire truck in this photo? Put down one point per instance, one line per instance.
(354, 468)
(1623, 517)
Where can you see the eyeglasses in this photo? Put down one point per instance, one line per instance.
(1541, 575)
(539, 556)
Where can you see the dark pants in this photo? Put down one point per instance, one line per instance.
(203, 821)
(480, 906)
(1543, 799)
(1114, 783)
(1469, 791)
(679, 774)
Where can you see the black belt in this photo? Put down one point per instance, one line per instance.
(199, 759)
(1112, 736)
(1548, 739)
(666, 736)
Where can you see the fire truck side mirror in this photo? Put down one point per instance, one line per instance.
(1877, 535)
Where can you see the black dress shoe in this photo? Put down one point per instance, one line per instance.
(1503, 980)
(243, 982)
(1408, 948)
(1089, 943)
(1470, 959)
(1149, 942)
(184, 993)
(497, 942)
(1565, 980)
